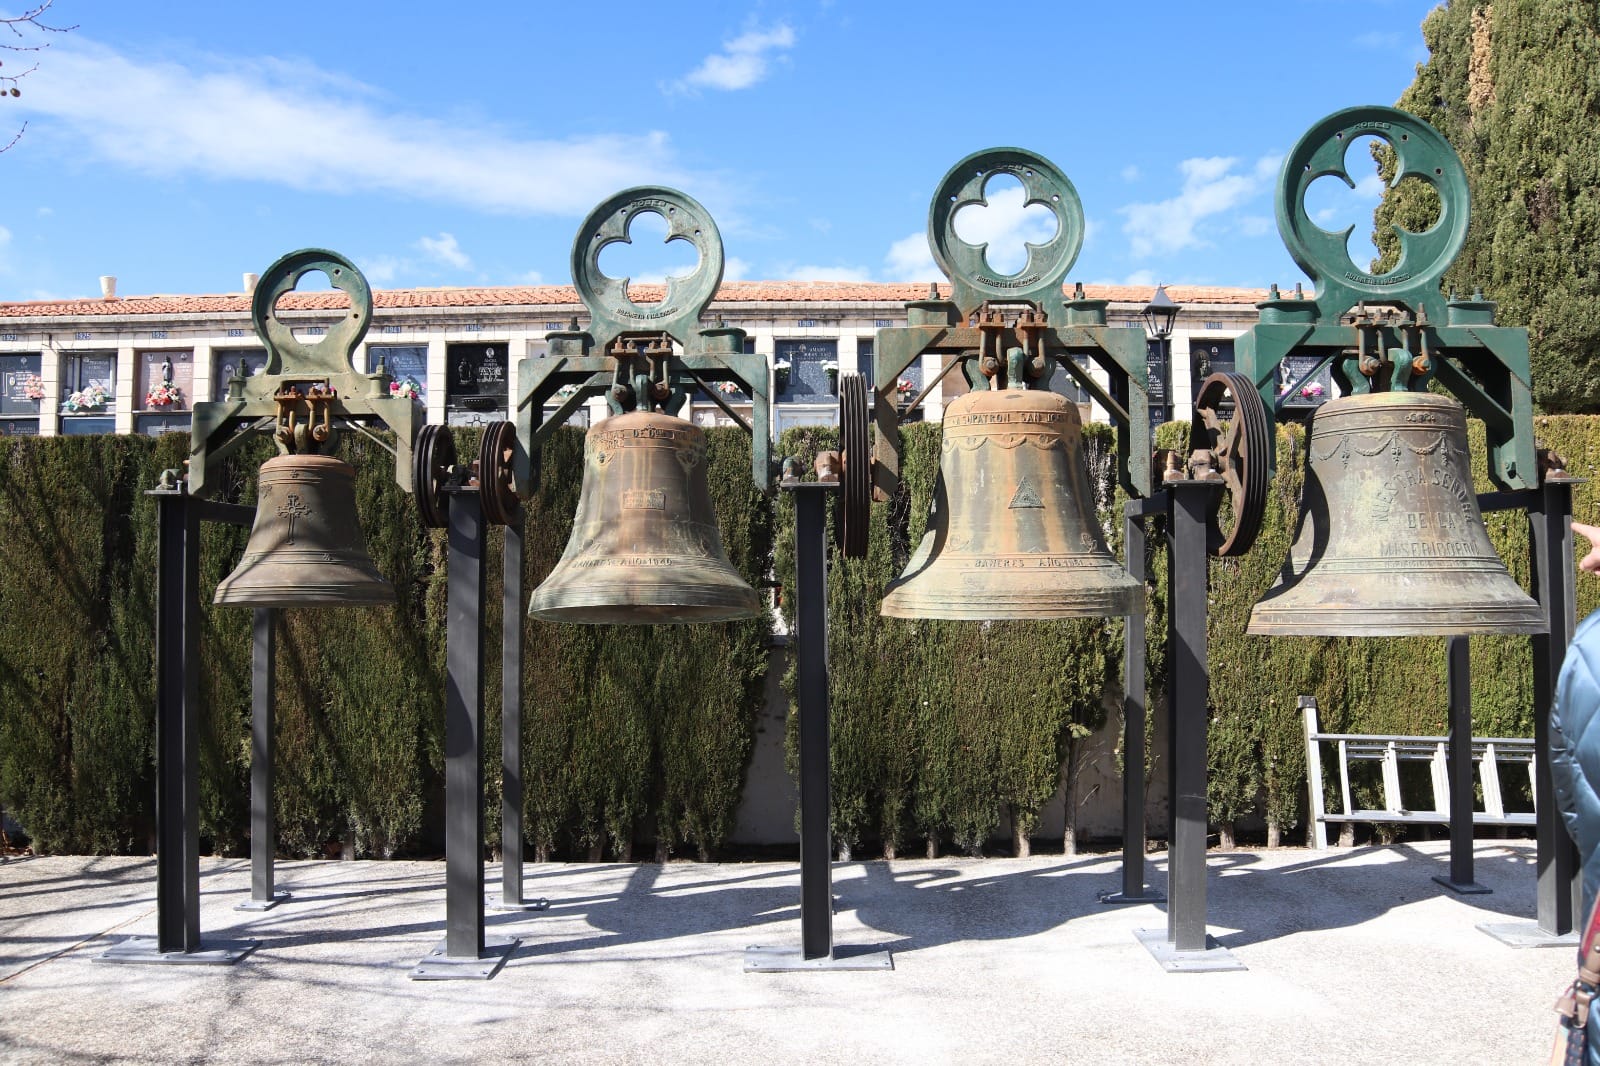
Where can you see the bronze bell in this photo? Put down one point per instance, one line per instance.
(644, 546)
(1390, 541)
(1014, 531)
(305, 548)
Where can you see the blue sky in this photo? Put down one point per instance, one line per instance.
(179, 145)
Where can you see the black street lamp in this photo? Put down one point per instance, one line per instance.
(1159, 316)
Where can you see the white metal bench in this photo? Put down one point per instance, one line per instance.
(1390, 750)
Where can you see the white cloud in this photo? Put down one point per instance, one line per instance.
(267, 121)
(742, 62)
(910, 259)
(827, 273)
(528, 277)
(446, 250)
(1211, 187)
(5, 244)
(1130, 173)
(735, 269)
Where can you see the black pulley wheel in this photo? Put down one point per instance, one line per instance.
(1240, 445)
(431, 459)
(497, 489)
(855, 502)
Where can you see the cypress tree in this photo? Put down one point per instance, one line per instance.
(1514, 86)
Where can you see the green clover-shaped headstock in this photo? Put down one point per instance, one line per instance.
(1420, 152)
(966, 264)
(611, 311)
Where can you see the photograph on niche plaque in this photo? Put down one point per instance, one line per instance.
(407, 366)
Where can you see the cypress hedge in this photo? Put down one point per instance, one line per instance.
(944, 732)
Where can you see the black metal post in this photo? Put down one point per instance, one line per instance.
(811, 668)
(177, 727)
(1134, 710)
(465, 953)
(1459, 683)
(263, 823)
(511, 720)
(1188, 696)
(463, 728)
(1550, 530)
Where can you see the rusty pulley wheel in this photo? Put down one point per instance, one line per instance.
(497, 489)
(1240, 447)
(855, 502)
(432, 458)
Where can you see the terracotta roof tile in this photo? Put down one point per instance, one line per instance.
(564, 295)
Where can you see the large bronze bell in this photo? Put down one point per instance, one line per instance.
(305, 548)
(1014, 534)
(1390, 541)
(644, 545)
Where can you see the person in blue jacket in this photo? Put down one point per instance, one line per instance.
(1575, 755)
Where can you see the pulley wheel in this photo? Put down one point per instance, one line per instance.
(1241, 449)
(855, 502)
(496, 486)
(431, 459)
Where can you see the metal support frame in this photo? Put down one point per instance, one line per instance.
(177, 938)
(1559, 889)
(1459, 762)
(817, 950)
(263, 823)
(1184, 946)
(1134, 709)
(465, 952)
(511, 623)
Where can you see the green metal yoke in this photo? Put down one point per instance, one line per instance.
(219, 427)
(642, 354)
(1411, 333)
(970, 328)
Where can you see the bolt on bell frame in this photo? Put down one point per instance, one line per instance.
(1396, 331)
(304, 395)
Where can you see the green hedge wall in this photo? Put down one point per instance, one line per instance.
(629, 731)
(943, 731)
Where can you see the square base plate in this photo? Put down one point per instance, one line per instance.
(792, 960)
(1527, 935)
(438, 966)
(142, 949)
(1460, 888)
(1147, 896)
(263, 904)
(1212, 958)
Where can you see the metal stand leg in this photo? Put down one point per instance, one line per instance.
(1185, 946)
(1133, 727)
(816, 845)
(1459, 683)
(177, 936)
(510, 898)
(1559, 890)
(465, 953)
(263, 823)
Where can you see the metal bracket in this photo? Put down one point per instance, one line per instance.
(1419, 334)
(343, 395)
(584, 364)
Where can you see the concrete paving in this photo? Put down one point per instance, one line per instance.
(1353, 957)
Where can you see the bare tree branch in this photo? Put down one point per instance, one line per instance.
(19, 25)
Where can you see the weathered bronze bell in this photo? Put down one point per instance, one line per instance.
(1390, 541)
(644, 545)
(305, 548)
(1014, 533)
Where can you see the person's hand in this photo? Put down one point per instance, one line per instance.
(1589, 564)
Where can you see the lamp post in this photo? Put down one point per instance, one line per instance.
(1159, 315)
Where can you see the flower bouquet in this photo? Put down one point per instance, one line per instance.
(405, 389)
(1312, 391)
(164, 394)
(92, 398)
(33, 387)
